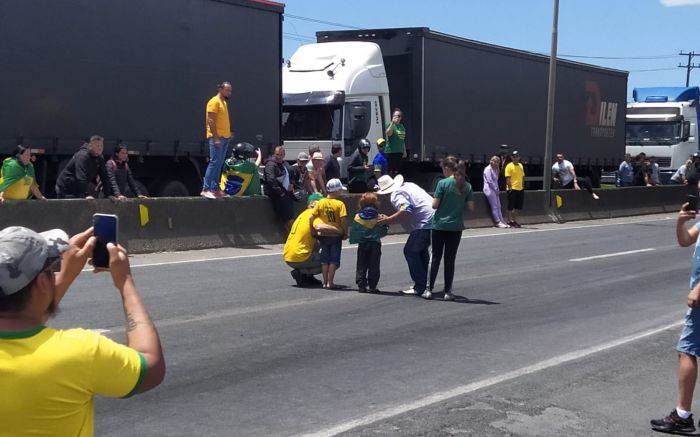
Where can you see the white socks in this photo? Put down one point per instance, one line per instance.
(682, 413)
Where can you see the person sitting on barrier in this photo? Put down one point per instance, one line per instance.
(359, 172)
(565, 177)
(79, 177)
(655, 171)
(491, 191)
(625, 172)
(331, 210)
(278, 187)
(118, 169)
(301, 250)
(678, 178)
(17, 178)
(240, 177)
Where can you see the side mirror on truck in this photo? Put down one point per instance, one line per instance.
(686, 131)
(359, 122)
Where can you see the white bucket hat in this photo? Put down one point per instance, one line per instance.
(388, 185)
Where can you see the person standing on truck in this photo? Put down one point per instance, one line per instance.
(79, 177)
(218, 137)
(17, 177)
(626, 171)
(515, 185)
(49, 377)
(680, 420)
(118, 169)
(278, 187)
(565, 176)
(395, 149)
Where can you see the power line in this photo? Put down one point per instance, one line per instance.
(689, 66)
(313, 20)
(619, 57)
(652, 69)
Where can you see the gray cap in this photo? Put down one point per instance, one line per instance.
(303, 156)
(24, 254)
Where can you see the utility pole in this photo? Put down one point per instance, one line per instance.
(689, 66)
(546, 164)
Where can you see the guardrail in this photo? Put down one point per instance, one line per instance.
(170, 224)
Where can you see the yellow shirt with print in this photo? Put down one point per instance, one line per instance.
(218, 106)
(48, 378)
(330, 211)
(300, 243)
(516, 173)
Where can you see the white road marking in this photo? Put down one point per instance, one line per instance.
(608, 255)
(509, 232)
(485, 383)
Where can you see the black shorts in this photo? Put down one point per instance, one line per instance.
(394, 161)
(515, 199)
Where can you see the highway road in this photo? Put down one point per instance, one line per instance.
(559, 329)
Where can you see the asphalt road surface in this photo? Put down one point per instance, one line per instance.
(565, 329)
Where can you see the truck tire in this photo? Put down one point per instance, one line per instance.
(173, 189)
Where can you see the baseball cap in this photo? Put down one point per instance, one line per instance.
(25, 253)
(514, 153)
(303, 156)
(335, 185)
(314, 197)
(381, 141)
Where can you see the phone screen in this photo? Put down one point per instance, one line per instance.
(105, 231)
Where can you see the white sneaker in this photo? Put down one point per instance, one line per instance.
(595, 196)
(207, 195)
(410, 292)
(448, 296)
(502, 225)
(427, 295)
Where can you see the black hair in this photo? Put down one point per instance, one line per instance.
(118, 149)
(20, 149)
(18, 301)
(335, 149)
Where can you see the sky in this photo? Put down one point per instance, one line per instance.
(643, 37)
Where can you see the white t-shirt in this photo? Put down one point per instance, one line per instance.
(562, 170)
(416, 202)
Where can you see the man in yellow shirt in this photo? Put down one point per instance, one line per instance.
(515, 184)
(218, 137)
(48, 377)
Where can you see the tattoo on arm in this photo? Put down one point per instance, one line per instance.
(131, 324)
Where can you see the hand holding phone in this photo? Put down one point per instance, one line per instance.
(692, 202)
(105, 231)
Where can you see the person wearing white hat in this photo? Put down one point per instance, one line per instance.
(413, 202)
(48, 377)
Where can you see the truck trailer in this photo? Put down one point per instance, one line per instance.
(458, 97)
(137, 72)
(663, 122)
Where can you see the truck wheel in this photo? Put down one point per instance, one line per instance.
(174, 189)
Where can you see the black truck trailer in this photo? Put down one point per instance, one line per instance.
(466, 98)
(137, 72)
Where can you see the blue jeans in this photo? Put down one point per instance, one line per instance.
(217, 155)
(418, 256)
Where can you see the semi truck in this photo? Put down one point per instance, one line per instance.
(663, 122)
(458, 97)
(139, 73)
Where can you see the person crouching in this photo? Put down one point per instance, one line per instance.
(367, 234)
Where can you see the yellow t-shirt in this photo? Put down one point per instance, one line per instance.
(48, 378)
(218, 106)
(516, 173)
(330, 211)
(300, 242)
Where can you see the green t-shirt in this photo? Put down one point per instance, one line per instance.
(240, 178)
(450, 214)
(396, 143)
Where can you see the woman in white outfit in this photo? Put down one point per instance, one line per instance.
(491, 191)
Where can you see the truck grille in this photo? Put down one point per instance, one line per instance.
(663, 162)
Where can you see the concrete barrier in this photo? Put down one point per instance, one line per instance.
(168, 224)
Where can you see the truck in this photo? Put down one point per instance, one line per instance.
(663, 122)
(139, 73)
(458, 96)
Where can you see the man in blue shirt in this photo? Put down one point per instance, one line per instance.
(681, 419)
(380, 164)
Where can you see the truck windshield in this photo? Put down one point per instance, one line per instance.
(311, 123)
(656, 133)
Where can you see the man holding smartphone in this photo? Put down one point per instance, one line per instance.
(395, 148)
(48, 377)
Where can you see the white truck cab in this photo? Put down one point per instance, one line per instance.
(334, 93)
(663, 122)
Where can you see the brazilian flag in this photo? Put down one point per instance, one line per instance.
(240, 178)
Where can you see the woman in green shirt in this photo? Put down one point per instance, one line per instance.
(17, 176)
(451, 195)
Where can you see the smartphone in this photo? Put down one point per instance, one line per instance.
(692, 201)
(105, 231)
